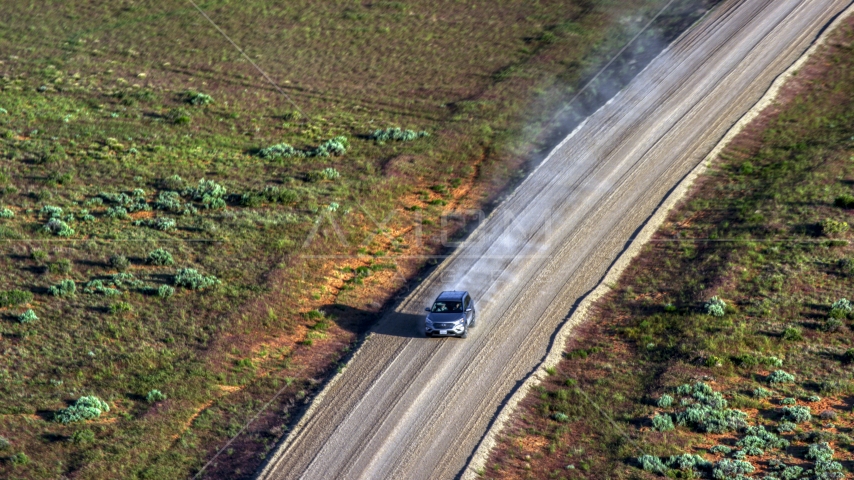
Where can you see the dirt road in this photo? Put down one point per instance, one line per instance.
(408, 407)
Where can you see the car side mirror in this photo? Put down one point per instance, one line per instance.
(468, 310)
(427, 309)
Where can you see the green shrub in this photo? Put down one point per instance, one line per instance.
(165, 291)
(83, 437)
(687, 461)
(154, 396)
(209, 193)
(715, 307)
(160, 257)
(560, 417)
(665, 401)
(197, 98)
(58, 228)
(334, 146)
(11, 298)
(840, 308)
(747, 361)
(845, 201)
(721, 449)
(4, 443)
(832, 325)
(280, 195)
(173, 182)
(726, 469)
(792, 334)
(848, 356)
(170, 201)
(652, 464)
(28, 316)
(760, 392)
(281, 150)
(65, 288)
(788, 401)
(6, 213)
(797, 414)
(19, 458)
(178, 116)
(396, 134)
(192, 279)
(772, 361)
(50, 211)
(786, 426)
(160, 223)
(662, 422)
(813, 398)
(85, 408)
(97, 286)
(713, 361)
(820, 451)
(119, 262)
(325, 174)
(119, 308)
(117, 212)
(39, 256)
(126, 280)
(833, 387)
(780, 376)
(832, 228)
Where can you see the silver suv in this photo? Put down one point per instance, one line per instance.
(452, 314)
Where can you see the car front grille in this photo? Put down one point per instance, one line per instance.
(443, 326)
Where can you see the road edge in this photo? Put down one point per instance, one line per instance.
(478, 459)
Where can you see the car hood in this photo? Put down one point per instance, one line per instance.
(445, 317)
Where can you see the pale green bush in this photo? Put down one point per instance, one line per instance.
(154, 396)
(65, 288)
(50, 211)
(832, 228)
(28, 316)
(715, 307)
(85, 408)
(192, 279)
(797, 414)
(58, 228)
(160, 257)
(780, 376)
(397, 134)
(119, 262)
(165, 291)
(662, 422)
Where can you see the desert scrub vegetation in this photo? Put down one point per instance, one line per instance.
(84, 408)
(27, 316)
(11, 298)
(333, 147)
(97, 118)
(154, 395)
(196, 98)
(396, 134)
(160, 257)
(192, 279)
(775, 402)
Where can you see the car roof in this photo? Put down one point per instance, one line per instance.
(451, 295)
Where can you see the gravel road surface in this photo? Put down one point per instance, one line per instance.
(409, 407)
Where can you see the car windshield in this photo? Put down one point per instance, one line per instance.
(447, 307)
